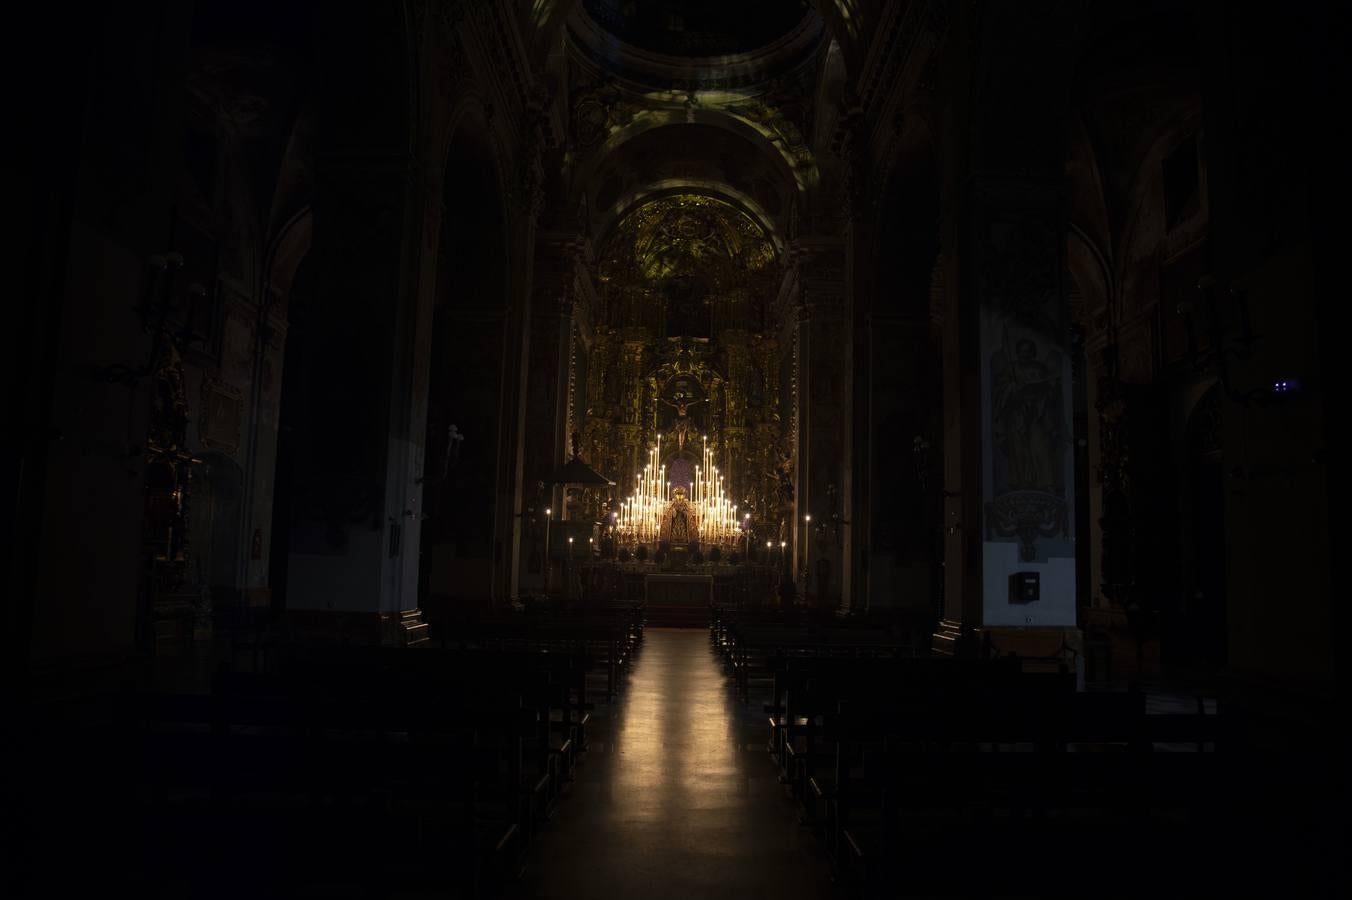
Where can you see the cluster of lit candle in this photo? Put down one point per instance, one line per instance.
(639, 518)
(717, 515)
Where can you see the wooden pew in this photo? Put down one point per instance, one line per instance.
(459, 752)
(908, 777)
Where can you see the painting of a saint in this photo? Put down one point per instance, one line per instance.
(1026, 404)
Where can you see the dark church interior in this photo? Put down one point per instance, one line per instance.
(670, 448)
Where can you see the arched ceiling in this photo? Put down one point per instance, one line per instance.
(636, 68)
(692, 155)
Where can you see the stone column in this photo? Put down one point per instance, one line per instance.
(895, 408)
(856, 389)
(552, 322)
(823, 373)
(512, 489)
(961, 425)
(355, 572)
(1009, 422)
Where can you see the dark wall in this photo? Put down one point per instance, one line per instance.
(461, 473)
(113, 141)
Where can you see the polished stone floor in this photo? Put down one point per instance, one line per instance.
(676, 796)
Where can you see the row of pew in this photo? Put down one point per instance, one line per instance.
(344, 771)
(606, 632)
(752, 640)
(935, 776)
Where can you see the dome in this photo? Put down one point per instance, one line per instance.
(698, 28)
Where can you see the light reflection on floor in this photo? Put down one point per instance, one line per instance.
(682, 803)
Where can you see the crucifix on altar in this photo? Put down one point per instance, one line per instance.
(683, 426)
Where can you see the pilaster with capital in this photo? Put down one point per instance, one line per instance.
(824, 417)
(555, 299)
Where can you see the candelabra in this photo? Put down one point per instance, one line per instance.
(639, 518)
(717, 515)
(714, 516)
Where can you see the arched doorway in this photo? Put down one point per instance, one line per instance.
(462, 550)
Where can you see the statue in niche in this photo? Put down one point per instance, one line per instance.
(678, 528)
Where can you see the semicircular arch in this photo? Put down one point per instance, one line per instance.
(609, 218)
(711, 138)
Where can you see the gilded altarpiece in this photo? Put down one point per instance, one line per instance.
(682, 351)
